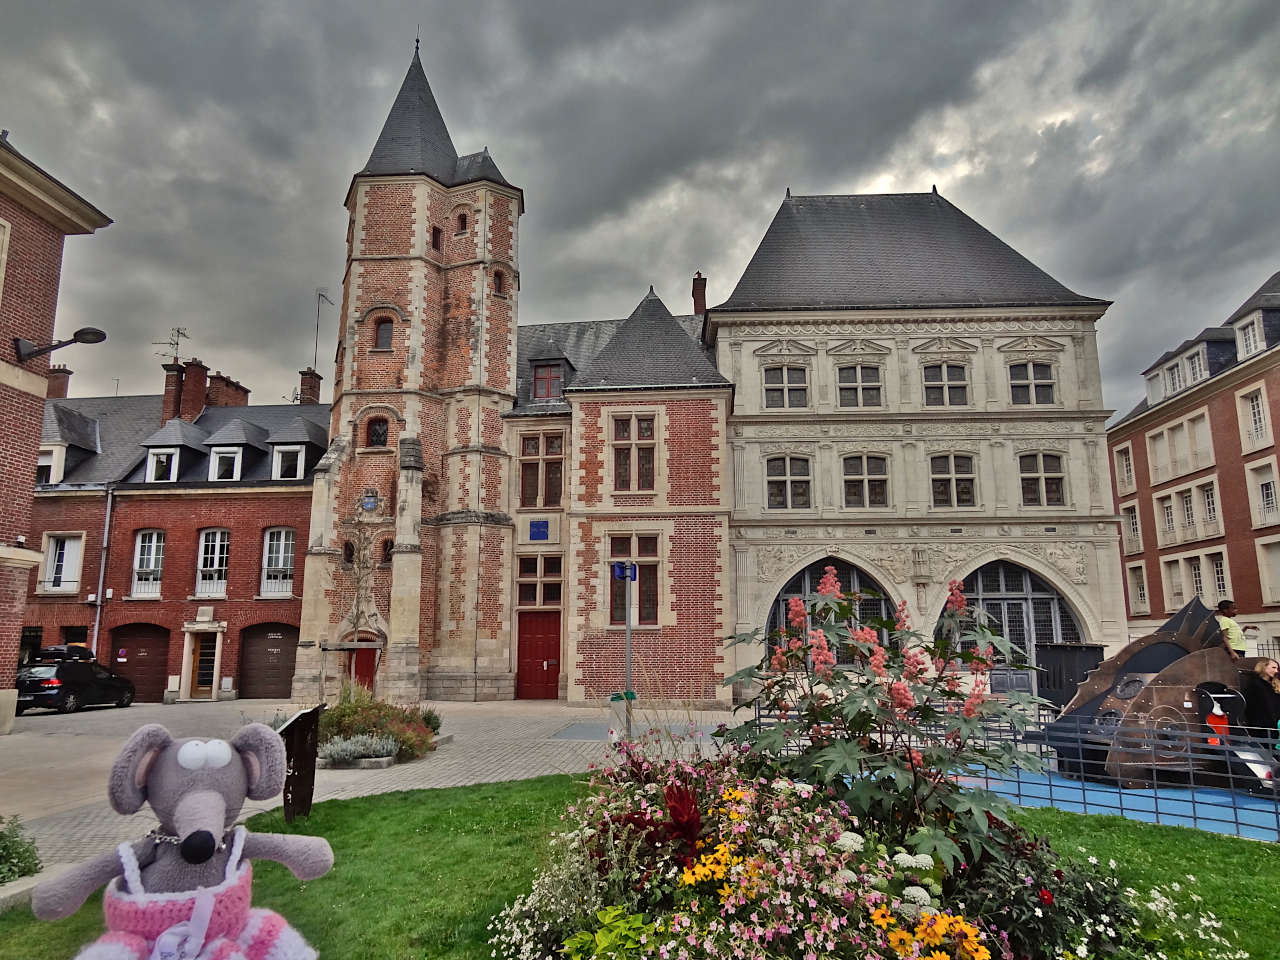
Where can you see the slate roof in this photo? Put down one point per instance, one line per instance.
(63, 425)
(888, 251)
(1206, 335)
(415, 139)
(301, 430)
(238, 433)
(178, 433)
(578, 344)
(121, 424)
(1266, 297)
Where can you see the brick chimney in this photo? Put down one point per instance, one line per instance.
(59, 378)
(309, 386)
(699, 294)
(225, 392)
(172, 405)
(195, 384)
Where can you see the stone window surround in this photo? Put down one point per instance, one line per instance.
(70, 578)
(173, 464)
(1031, 382)
(276, 451)
(216, 453)
(786, 364)
(541, 458)
(946, 384)
(1251, 441)
(884, 455)
(977, 505)
(540, 580)
(666, 616)
(1252, 487)
(1137, 605)
(1174, 602)
(1130, 539)
(1196, 460)
(1124, 485)
(136, 591)
(861, 385)
(788, 478)
(1268, 576)
(1063, 473)
(609, 414)
(1175, 495)
(276, 594)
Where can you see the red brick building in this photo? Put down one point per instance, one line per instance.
(1195, 474)
(194, 593)
(36, 214)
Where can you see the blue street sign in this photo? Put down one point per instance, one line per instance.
(539, 530)
(623, 570)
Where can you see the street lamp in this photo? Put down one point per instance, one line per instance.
(25, 349)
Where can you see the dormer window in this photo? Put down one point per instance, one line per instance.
(382, 335)
(224, 463)
(162, 465)
(1155, 388)
(287, 463)
(546, 381)
(1249, 343)
(44, 467)
(1195, 367)
(1173, 377)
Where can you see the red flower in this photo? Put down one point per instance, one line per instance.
(1046, 897)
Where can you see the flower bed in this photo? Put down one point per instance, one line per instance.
(357, 714)
(842, 829)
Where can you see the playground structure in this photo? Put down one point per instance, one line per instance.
(1166, 707)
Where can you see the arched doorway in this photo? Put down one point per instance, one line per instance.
(875, 601)
(267, 653)
(140, 651)
(1040, 625)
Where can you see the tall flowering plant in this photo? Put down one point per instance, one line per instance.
(894, 729)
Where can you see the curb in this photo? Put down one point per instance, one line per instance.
(17, 893)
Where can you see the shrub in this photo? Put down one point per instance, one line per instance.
(619, 936)
(357, 712)
(360, 747)
(18, 856)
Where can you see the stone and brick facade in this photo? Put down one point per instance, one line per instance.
(36, 214)
(1195, 475)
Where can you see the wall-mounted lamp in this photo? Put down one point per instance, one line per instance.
(25, 349)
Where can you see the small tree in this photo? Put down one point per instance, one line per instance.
(894, 732)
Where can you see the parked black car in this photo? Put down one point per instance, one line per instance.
(68, 685)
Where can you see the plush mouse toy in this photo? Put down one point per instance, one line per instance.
(183, 892)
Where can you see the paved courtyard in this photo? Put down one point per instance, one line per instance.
(53, 768)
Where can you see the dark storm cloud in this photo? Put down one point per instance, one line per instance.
(1129, 149)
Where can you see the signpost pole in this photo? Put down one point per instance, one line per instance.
(627, 687)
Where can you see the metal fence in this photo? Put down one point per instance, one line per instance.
(1222, 784)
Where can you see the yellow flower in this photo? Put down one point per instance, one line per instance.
(929, 931)
(882, 917)
(936, 955)
(979, 952)
(901, 942)
(725, 893)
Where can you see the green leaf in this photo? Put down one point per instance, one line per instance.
(933, 841)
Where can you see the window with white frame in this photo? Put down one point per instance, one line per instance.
(1174, 596)
(1209, 502)
(787, 483)
(1031, 383)
(786, 386)
(148, 563)
(162, 465)
(946, 385)
(1131, 529)
(1138, 589)
(1124, 469)
(224, 463)
(952, 481)
(287, 462)
(61, 570)
(866, 481)
(1188, 509)
(213, 563)
(1263, 505)
(1166, 514)
(1173, 377)
(1269, 568)
(634, 451)
(1042, 479)
(1219, 565)
(1249, 341)
(859, 386)
(277, 562)
(1196, 368)
(1254, 422)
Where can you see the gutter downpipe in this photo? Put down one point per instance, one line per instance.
(102, 568)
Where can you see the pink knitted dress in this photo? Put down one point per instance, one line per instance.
(208, 923)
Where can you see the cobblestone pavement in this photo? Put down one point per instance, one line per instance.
(54, 773)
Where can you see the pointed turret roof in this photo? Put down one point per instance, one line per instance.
(414, 139)
(650, 349)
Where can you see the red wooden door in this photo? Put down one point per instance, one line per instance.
(538, 656)
(362, 665)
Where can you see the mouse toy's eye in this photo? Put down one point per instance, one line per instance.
(217, 754)
(193, 754)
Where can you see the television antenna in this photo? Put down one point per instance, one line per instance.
(174, 343)
(322, 293)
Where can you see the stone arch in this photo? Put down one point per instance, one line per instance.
(1071, 594)
(378, 308)
(385, 408)
(764, 600)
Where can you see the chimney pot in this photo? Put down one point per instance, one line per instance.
(195, 386)
(59, 379)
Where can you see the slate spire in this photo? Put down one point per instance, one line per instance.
(414, 139)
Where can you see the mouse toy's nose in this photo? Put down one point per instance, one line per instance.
(197, 847)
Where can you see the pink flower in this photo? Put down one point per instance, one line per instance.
(879, 657)
(795, 612)
(820, 653)
(901, 620)
(901, 697)
(956, 602)
(829, 585)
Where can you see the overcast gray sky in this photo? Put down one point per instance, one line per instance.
(1130, 149)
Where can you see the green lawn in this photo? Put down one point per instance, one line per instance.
(418, 875)
(1238, 878)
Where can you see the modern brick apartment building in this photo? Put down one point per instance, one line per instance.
(1195, 474)
(36, 214)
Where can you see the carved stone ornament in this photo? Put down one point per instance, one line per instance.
(1032, 345)
(859, 348)
(799, 448)
(784, 348)
(889, 328)
(945, 345)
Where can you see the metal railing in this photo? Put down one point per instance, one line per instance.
(146, 583)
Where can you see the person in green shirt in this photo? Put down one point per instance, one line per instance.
(1232, 635)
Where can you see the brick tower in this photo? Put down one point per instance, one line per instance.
(408, 568)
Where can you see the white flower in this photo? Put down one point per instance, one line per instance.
(1111, 864)
(904, 860)
(1039, 912)
(1093, 861)
(918, 895)
(850, 842)
(1082, 950)
(922, 861)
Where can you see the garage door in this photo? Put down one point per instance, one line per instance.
(140, 652)
(267, 652)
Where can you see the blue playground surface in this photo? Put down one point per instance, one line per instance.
(1206, 808)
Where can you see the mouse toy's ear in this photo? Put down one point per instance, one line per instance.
(262, 751)
(127, 789)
